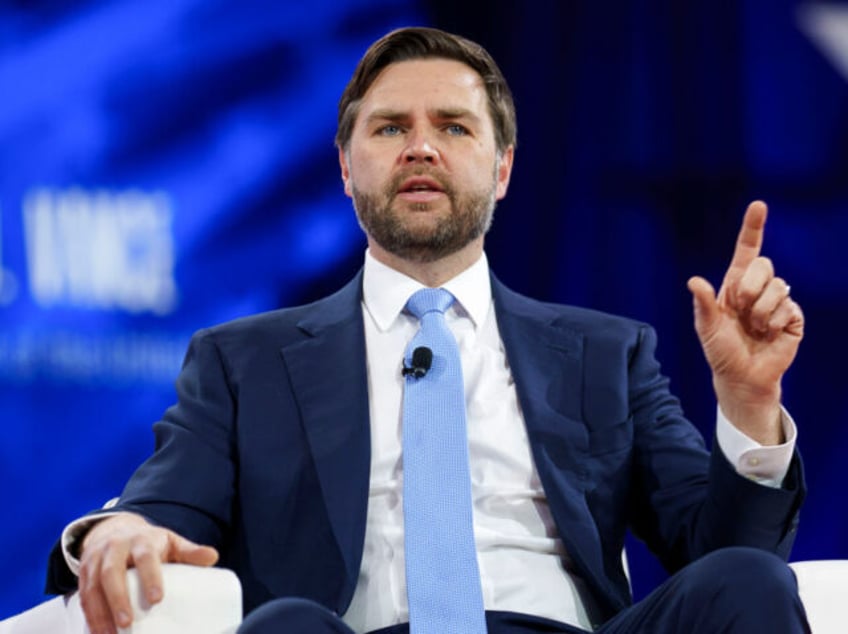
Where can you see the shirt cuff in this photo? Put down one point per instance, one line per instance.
(76, 531)
(766, 465)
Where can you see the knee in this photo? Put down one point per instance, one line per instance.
(292, 614)
(748, 570)
(734, 589)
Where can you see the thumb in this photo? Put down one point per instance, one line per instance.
(187, 552)
(705, 306)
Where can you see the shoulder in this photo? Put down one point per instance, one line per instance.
(281, 326)
(577, 319)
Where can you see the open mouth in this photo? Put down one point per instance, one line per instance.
(420, 189)
(420, 184)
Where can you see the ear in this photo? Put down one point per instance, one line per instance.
(345, 172)
(504, 172)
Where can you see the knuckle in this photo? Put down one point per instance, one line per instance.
(88, 581)
(111, 569)
(86, 588)
(142, 554)
(745, 294)
(108, 547)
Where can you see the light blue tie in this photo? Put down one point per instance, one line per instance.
(442, 579)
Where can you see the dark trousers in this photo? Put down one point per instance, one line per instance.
(728, 591)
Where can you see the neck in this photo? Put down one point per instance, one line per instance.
(435, 273)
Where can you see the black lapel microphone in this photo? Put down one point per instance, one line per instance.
(422, 359)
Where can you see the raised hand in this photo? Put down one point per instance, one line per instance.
(750, 333)
(120, 542)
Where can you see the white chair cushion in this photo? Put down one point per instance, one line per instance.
(823, 586)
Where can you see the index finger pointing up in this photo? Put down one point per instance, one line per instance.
(750, 239)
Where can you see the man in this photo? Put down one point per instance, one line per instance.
(284, 454)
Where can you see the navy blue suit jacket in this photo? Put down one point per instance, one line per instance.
(266, 455)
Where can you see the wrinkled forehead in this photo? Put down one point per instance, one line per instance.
(426, 84)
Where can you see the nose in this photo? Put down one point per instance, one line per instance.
(420, 149)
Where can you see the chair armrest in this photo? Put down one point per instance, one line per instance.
(823, 586)
(197, 601)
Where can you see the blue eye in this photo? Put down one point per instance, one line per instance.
(455, 129)
(389, 130)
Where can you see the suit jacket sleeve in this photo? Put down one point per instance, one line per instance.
(193, 439)
(681, 510)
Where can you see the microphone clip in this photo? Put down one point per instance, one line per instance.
(422, 359)
(415, 371)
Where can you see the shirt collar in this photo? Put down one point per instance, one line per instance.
(385, 291)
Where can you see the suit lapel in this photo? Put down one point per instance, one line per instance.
(328, 374)
(546, 359)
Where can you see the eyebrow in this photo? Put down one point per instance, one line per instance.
(454, 113)
(440, 114)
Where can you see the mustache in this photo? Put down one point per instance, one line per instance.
(394, 185)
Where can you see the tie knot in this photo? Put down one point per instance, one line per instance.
(428, 300)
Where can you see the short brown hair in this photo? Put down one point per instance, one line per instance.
(420, 43)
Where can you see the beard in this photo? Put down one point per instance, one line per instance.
(469, 217)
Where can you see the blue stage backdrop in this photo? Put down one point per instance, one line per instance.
(168, 164)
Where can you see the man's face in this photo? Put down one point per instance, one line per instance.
(422, 165)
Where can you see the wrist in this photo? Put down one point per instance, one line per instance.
(755, 412)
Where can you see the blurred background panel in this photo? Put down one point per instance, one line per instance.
(168, 164)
